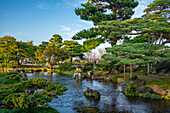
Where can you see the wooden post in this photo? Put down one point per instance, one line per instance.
(124, 70)
(148, 70)
(130, 70)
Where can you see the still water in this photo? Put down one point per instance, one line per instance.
(112, 100)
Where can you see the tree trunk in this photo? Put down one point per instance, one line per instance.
(124, 70)
(51, 66)
(148, 38)
(114, 13)
(148, 70)
(71, 59)
(160, 38)
(18, 62)
(123, 38)
(130, 70)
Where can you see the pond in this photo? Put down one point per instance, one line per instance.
(112, 100)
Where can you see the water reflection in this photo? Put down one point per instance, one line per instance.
(111, 101)
(78, 83)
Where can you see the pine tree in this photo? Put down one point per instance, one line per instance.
(103, 10)
(132, 54)
(69, 48)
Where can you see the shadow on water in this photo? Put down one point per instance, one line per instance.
(112, 100)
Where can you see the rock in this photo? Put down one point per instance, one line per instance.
(92, 93)
(142, 89)
(119, 80)
(157, 89)
(123, 85)
(168, 93)
(109, 77)
(133, 78)
(135, 81)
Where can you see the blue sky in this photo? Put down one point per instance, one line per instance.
(38, 20)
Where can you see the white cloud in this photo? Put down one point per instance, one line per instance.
(42, 6)
(47, 6)
(87, 22)
(77, 25)
(65, 28)
(139, 11)
(14, 34)
(69, 35)
(74, 3)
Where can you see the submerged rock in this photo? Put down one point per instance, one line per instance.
(94, 94)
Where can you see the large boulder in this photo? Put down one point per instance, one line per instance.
(157, 89)
(168, 93)
(123, 85)
(135, 81)
(142, 89)
(94, 94)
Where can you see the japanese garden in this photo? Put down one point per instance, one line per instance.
(131, 75)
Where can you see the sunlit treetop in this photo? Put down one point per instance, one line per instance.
(103, 10)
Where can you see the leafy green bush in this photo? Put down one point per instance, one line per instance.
(5, 92)
(32, 84)
(9, 81)
(16, 100)
(16, 76)
(65, 66)
(106, 66)
(114, 78)
(25, 94)
(8, 73)
(88, 67)
(131, 91)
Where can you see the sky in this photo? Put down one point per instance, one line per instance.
(38, 20)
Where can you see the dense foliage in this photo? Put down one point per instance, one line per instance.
(30, 93)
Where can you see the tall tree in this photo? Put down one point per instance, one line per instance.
(69, 47)
(53, 51)
(137, 53)
(103, 10)
(9, 49)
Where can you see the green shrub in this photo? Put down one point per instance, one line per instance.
(65, 66)
(114, 78)
(17, 100)
(131, 91)
(16, 76)
(9, 81)
(8, 73)
(30, 84)
(23, 95)
(155, 96)
(88, 67)
(5, 92)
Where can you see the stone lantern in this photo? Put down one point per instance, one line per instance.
(78, 70)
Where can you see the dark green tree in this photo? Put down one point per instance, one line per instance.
(137, 53)
(103, 10)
